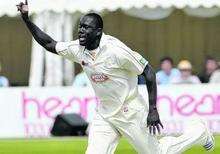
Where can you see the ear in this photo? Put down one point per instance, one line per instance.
(99, 32)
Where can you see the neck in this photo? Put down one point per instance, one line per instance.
(93, 45)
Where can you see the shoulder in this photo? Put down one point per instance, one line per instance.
(67, 45)
(74, 42)
(115, 44)
(4, 81)
(217, 72)
(159, 73)
(195, 78)
(3, 78)
(215, 77)
(175, 71)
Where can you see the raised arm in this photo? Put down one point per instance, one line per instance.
(42, 38)
(153, 119)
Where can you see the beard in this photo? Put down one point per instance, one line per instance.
(88, 40)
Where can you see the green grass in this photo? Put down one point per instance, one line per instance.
(72, 146)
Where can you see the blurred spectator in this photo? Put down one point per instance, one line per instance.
(81, 80)
(167, 72)
(210, 66)
(3, 80)
(215, 77)
(186, 76)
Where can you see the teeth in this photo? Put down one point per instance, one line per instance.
(81, 39)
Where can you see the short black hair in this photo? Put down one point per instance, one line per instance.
(208, 57)
(166, 59)
(98, 19)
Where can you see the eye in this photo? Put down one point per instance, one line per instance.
(87, 27)
(80, 26)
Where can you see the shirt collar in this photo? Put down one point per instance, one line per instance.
(103, 41)
(101, 44)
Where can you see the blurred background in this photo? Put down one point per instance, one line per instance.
(42, 93)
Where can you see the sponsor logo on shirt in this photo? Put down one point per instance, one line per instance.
(99, 77)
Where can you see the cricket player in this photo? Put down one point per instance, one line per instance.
(112, 68)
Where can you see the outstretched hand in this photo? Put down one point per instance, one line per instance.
(153, 122)
(23, 8)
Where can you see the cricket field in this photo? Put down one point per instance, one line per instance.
(73, 145)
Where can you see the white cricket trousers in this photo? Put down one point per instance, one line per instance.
(130, 122)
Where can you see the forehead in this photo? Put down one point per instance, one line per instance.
(211, 61)
(87, 20)
(166, 62)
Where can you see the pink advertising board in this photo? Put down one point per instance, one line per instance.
(30, 112)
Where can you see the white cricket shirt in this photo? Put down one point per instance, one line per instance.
(112, 69)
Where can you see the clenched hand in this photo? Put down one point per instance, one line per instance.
(23, 8)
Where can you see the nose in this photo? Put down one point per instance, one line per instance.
(81, 29)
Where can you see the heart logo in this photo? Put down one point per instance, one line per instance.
(206, 106)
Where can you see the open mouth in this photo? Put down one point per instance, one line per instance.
(82, 39)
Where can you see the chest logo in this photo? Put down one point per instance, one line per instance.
(99, 77)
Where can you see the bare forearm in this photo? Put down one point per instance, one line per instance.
(42, 38)
(152, 94)
(150, 78)
(153, 118)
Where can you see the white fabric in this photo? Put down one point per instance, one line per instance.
(4, 82)
(70, 23)
(103, 138)
(81, 80)
(192, 79)
(146, 13)
(130, 122)
(215, 77)
(202, 12)
(112, 71)
(37, 56)
(158, 13)
(53, 67)
(71, 6)
(59, 27)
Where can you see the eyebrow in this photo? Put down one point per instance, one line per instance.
(89, 25)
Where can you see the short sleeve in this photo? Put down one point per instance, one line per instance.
(132, 61)
(69, 50)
